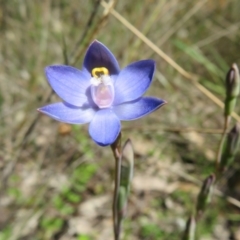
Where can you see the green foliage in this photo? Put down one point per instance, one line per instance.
(83, 173)
(83, 140)
(5, 233)
(183, 197)
(151, 232)
(14, 192)
(196, 54)
(70, 195)
(50, 225)
(206, 226)
(84, 237)
(73, 197)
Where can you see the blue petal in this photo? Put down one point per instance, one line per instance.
(69, 83)
(133, 81)
(105, 127)
(137, 109)
(64, 112)
(99, 55)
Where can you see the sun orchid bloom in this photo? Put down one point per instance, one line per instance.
(101, 94)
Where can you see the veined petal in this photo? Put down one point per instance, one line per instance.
(67, 113)
(105, 127)
(69, 83)
(98, 55)
(133, 81)
(137, 109)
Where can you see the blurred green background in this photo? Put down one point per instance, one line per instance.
(55, 182)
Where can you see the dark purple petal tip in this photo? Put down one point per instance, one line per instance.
(98, 55)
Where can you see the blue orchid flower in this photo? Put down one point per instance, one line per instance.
(101, 94)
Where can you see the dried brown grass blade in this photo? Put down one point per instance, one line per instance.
(190, 76)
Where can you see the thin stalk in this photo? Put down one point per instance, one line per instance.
(115, 198)
(227, 120)
(117, 152)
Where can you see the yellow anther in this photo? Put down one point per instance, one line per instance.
(97, 72)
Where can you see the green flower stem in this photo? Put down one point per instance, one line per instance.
(231, 147)
(190, 230)
(227, 120)
(116, 148)
(115, 198)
